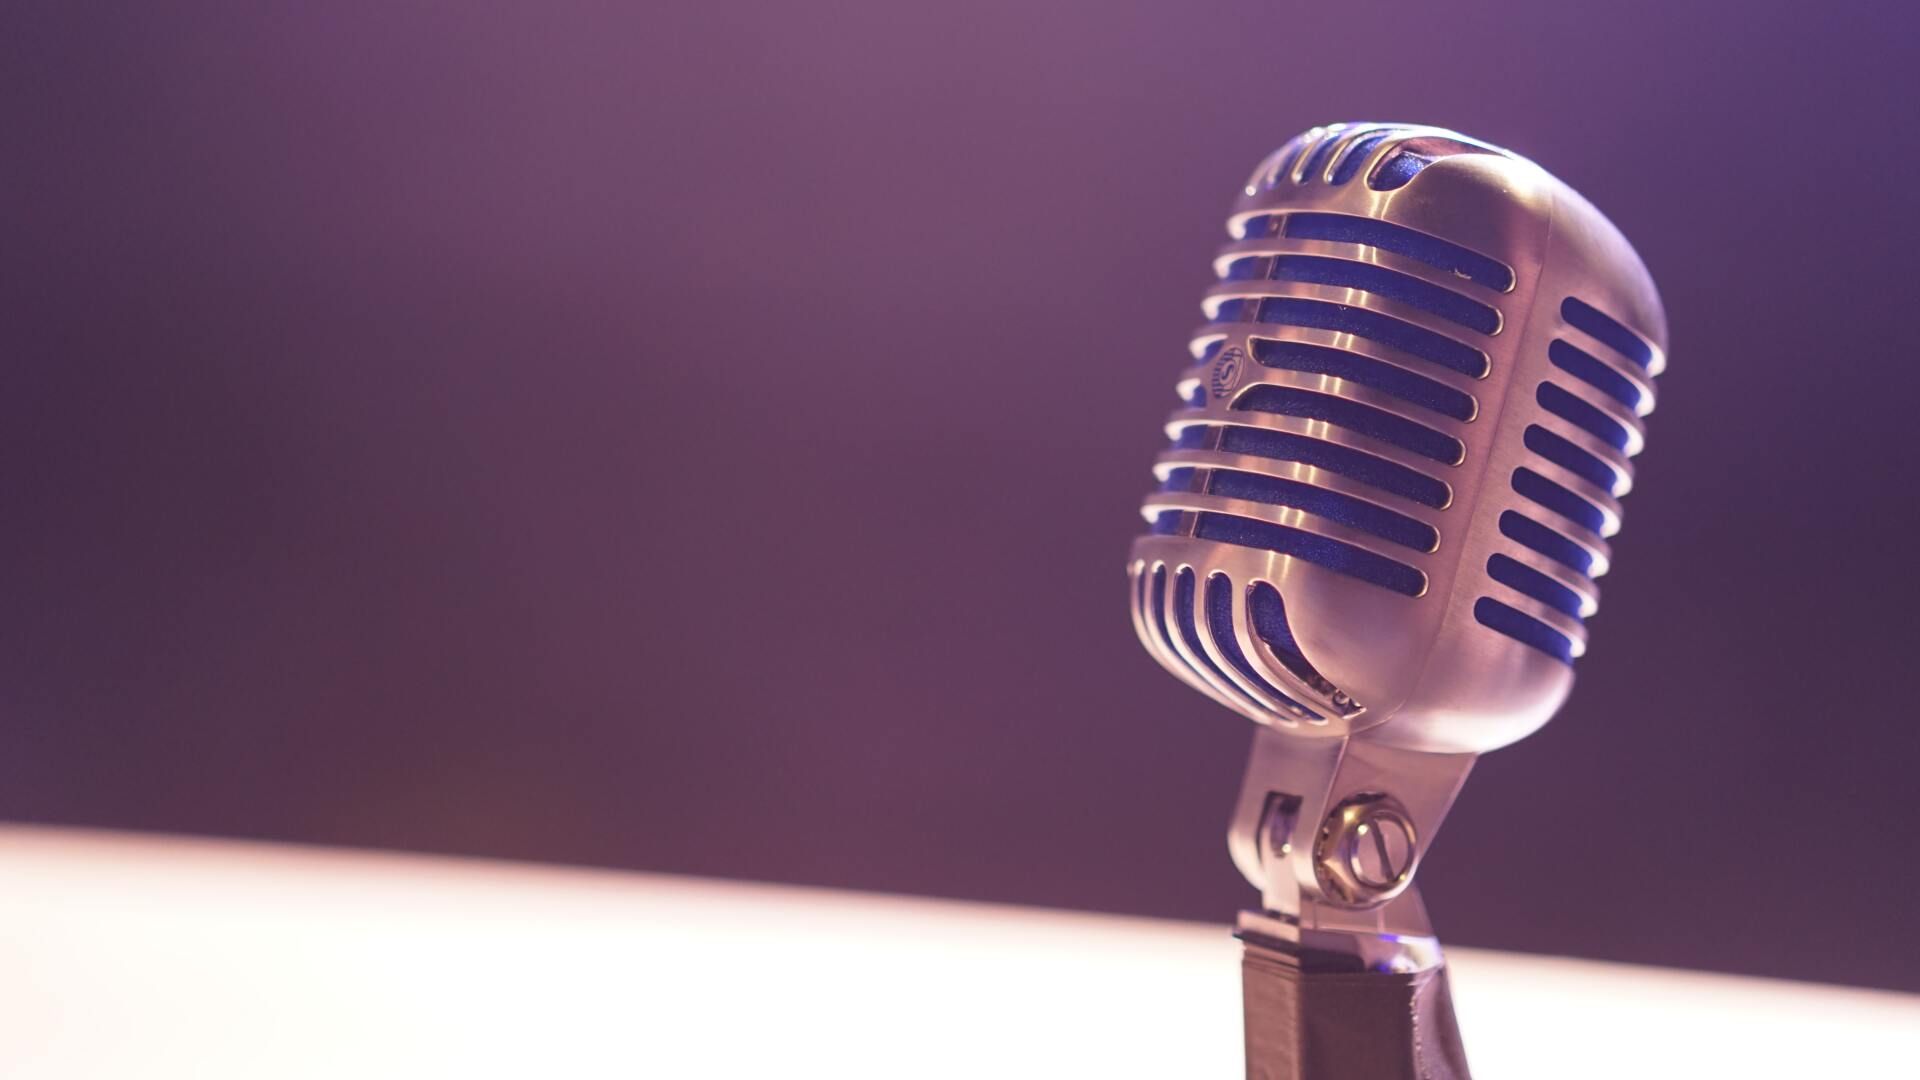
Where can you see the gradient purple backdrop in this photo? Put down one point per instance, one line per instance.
(706, 438)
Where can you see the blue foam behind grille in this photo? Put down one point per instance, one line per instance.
(1309, 547)
(1232, 311)
(1416, 340)
(1571, 458)
(1159, 598)
(1603, 328)
(1392, 284)
(1192, 437)
(1397, 170)
(1523, 628)
(1332, 505)
(1365, 370)
(1317, 164)
(1268, 614)
(1365, 419)
(1579, 413)
(1190, 632)
(1269, 617)
(1178, 480)
(1518, 527)
(1593, 372)
(1259, 226)
(1220, 622)
(1166, 523)
(1385, 235)
(1247, 269)
(1381, 473)
(1558, 499)
(1356, 157)
(1289, 154)
(1530, 582)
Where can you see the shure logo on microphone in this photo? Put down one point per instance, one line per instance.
(1226, 371)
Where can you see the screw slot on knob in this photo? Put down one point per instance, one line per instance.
(1367, 850)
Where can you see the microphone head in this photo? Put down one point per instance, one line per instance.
(1403, 441)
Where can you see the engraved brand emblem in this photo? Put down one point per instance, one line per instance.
(1225, 374)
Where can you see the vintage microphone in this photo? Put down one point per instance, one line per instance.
(1377, 532)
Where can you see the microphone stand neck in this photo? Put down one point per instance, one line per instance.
(1342, 977)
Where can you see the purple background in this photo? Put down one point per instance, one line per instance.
(707, 439)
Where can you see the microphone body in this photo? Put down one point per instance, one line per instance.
(1399, 457)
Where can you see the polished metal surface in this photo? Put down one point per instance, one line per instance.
(1365, 849)
(1410, 417)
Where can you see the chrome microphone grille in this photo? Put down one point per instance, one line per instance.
(1403, 440)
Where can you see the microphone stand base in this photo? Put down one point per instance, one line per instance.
(1317, 1015)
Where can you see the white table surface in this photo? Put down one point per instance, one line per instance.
(146, 957)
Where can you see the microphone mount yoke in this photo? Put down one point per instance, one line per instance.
(1330, 829)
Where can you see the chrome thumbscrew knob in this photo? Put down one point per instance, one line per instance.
(1366, 850)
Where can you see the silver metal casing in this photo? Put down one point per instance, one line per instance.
(1347, 259)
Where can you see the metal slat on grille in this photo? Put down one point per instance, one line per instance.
(1556, 518)
(1369, 388)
